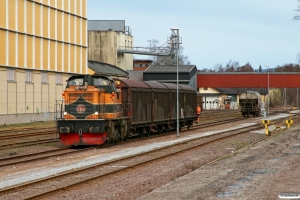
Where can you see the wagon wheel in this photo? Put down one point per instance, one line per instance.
(140, 133)
(165, 129)
(120, 135)
(147, 132)
(159, 130)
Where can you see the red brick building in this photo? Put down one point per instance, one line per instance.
(141, 64)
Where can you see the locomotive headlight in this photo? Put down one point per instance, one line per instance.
(96, 113)
(65, 113)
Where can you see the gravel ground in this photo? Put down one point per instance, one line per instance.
(262, 171)
(258, 172)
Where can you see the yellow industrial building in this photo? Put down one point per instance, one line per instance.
(42, 43)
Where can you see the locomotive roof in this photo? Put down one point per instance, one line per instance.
(106, 69)
(155, 85)
(89, 75)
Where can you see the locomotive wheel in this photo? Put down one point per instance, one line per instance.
(117, 136)
(165, 129)
(120, 135)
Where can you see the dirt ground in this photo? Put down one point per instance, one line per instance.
(261, 171)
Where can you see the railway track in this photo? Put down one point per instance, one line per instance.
(21, 130)
(60, 152)
(27, 143)
(26, 158)
(47, 132)
(60, 181)
(13, 160)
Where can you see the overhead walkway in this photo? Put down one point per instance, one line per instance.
(159, 51)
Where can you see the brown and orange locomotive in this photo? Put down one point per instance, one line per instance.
(99, 109)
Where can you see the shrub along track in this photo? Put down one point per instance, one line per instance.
(55, 183)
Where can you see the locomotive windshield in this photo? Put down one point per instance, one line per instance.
(75, 81)
(98, 81)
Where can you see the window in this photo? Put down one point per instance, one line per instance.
(28, 76)
(44, 77)
(58, 79)
(75, 81)
(11, 74)
(100, 81)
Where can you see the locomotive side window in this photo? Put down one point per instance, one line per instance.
(77, 81)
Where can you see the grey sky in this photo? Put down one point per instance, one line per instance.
(213, 32)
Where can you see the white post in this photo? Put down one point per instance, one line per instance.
(177, 93)
(268, 92)
(268, 102)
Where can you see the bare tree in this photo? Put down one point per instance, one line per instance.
(231, 66)
(219, 68)
(167, 60)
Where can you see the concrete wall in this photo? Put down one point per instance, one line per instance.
(125, 61)
(102, 46)
(25, 118)
(21, 97)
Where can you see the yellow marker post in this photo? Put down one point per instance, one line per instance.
(266, 123)
(289, 123)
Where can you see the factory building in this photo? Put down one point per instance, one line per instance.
(109, 42)
(42, 43)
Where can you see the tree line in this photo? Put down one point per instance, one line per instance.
(234, 66)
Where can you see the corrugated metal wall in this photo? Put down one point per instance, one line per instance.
(105, 25)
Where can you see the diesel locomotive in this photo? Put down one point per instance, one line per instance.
(98, 109)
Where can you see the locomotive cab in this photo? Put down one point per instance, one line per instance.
(89, 101)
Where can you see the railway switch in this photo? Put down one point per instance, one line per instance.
(268, 123)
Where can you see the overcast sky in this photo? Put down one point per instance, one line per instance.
(261, 32)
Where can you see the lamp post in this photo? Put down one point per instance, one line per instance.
(175, 33)
(268, 91)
